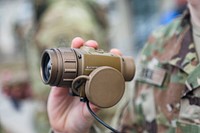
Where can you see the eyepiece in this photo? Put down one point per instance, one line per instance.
(128, 68)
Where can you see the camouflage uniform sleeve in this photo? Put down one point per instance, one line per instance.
(189, 120)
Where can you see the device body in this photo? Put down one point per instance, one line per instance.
(93, 74)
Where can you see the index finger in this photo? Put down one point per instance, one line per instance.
(91, 43)
(116, 51)
(77, 42)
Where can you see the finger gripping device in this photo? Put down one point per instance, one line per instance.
(93, 74)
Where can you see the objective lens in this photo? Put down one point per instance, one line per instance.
(46, 67)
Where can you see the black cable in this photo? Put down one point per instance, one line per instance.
(99, 120)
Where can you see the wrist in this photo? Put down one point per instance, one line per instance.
(52, 131)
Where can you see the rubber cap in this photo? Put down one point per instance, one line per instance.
(105, 87)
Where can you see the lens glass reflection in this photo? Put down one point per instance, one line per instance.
(46, 67)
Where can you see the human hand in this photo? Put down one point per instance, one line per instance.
(66, 113)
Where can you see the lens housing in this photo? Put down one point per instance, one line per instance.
(58, 66)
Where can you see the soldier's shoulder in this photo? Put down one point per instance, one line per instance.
(160, 36)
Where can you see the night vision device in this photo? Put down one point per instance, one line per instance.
(90, 73)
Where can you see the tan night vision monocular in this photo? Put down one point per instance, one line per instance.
(93, 74)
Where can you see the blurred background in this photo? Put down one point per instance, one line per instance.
(27, 27)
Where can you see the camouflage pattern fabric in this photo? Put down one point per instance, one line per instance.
(65, 19)
(167, 85)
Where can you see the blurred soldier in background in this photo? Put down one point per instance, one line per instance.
(20, 111)
(17, 109)
(65, 19)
